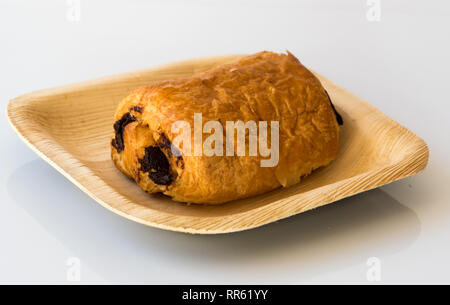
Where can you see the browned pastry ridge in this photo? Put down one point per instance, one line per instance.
(265, 86)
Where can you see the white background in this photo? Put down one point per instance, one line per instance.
(400, 65)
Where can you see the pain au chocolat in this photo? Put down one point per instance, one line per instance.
(263, 87)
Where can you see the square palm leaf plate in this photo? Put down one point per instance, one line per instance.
(70, 127)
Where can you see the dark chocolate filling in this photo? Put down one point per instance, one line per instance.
(167, 145)
(338, 116)
(119, 126)
(157, 166)
(136, 108)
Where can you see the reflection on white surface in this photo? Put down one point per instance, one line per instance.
(331, 237)
(399, 65)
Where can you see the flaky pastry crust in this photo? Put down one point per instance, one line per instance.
(265, 86)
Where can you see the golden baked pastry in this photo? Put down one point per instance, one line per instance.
(263, 87)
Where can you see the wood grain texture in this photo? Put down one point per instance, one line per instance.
(70, 127)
